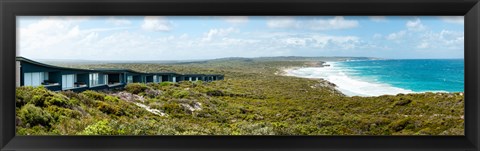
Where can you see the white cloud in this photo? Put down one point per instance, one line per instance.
(47, 32)
(156, 23)
(57, 35)
(69, 41)
(377, 36)
(453, 38)
(337, 22)
(105, 29)
(453, 19)
(297, 42)
(70, 38)
(317, 42)
(342, 42)
(118, 21)
(282, 22)
(396, 35)
(235, 19)
(415, 25)
(420, 37)
(444, 39)
(378, 18)
(222, 32)
(417, 37)
(423, 45)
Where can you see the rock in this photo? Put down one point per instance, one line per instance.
(195, 106)
(190, 105)
(154, 111)
(129, 96)
(402, 102)
(153, 93)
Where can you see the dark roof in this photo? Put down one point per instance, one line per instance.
(194, 74)
(116, 70)
(163, 73)
(47, 65)
(105, 69)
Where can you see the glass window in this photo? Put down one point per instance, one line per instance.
(105, 79)
(68, 81)
(129, 79)
(94, 79)
(34, 78)
(27, 79)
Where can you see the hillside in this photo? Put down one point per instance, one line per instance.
(252, 100)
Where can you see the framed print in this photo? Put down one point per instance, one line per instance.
(239, 75)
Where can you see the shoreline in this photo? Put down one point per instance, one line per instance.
(342, 85)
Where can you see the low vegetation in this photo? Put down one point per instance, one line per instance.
(252, 100)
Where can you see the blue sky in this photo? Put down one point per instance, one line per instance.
(209, 37)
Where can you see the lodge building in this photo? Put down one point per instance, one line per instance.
(55, 78)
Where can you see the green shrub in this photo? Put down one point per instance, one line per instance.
(170, 108)
(109, 108)
(181, 94)
(156, 105)
(72, 126)
(86, 97)
(94, 95)
(305, 129)
(136, 88)
(62, 113)
(35, 130)
(215, 93)
(69, 94)
(401, 124)
(110, 98)
(23, 95)
(100, 128)
(425, 131)
(402, 102)
(165, 84)
(30, 115)
(40, 95)
(38, 100)
(153, 93)
(58, 101)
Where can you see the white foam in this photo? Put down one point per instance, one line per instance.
(347, 84)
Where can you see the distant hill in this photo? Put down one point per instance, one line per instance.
(296, 58)
(87, 62)
(279, 58)
(320, 58)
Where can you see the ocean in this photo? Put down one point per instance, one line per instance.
(381, 77)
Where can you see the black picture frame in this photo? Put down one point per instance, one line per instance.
(11, 8)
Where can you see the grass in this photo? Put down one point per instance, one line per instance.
(252, 100)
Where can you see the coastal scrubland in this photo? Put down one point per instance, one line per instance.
(254, 99)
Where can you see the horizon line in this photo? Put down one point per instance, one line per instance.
(207, 59)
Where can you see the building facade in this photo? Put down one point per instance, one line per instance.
(55, 78)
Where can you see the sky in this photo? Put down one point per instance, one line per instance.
(210, 37)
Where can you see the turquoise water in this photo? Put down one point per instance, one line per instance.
(418, 75)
